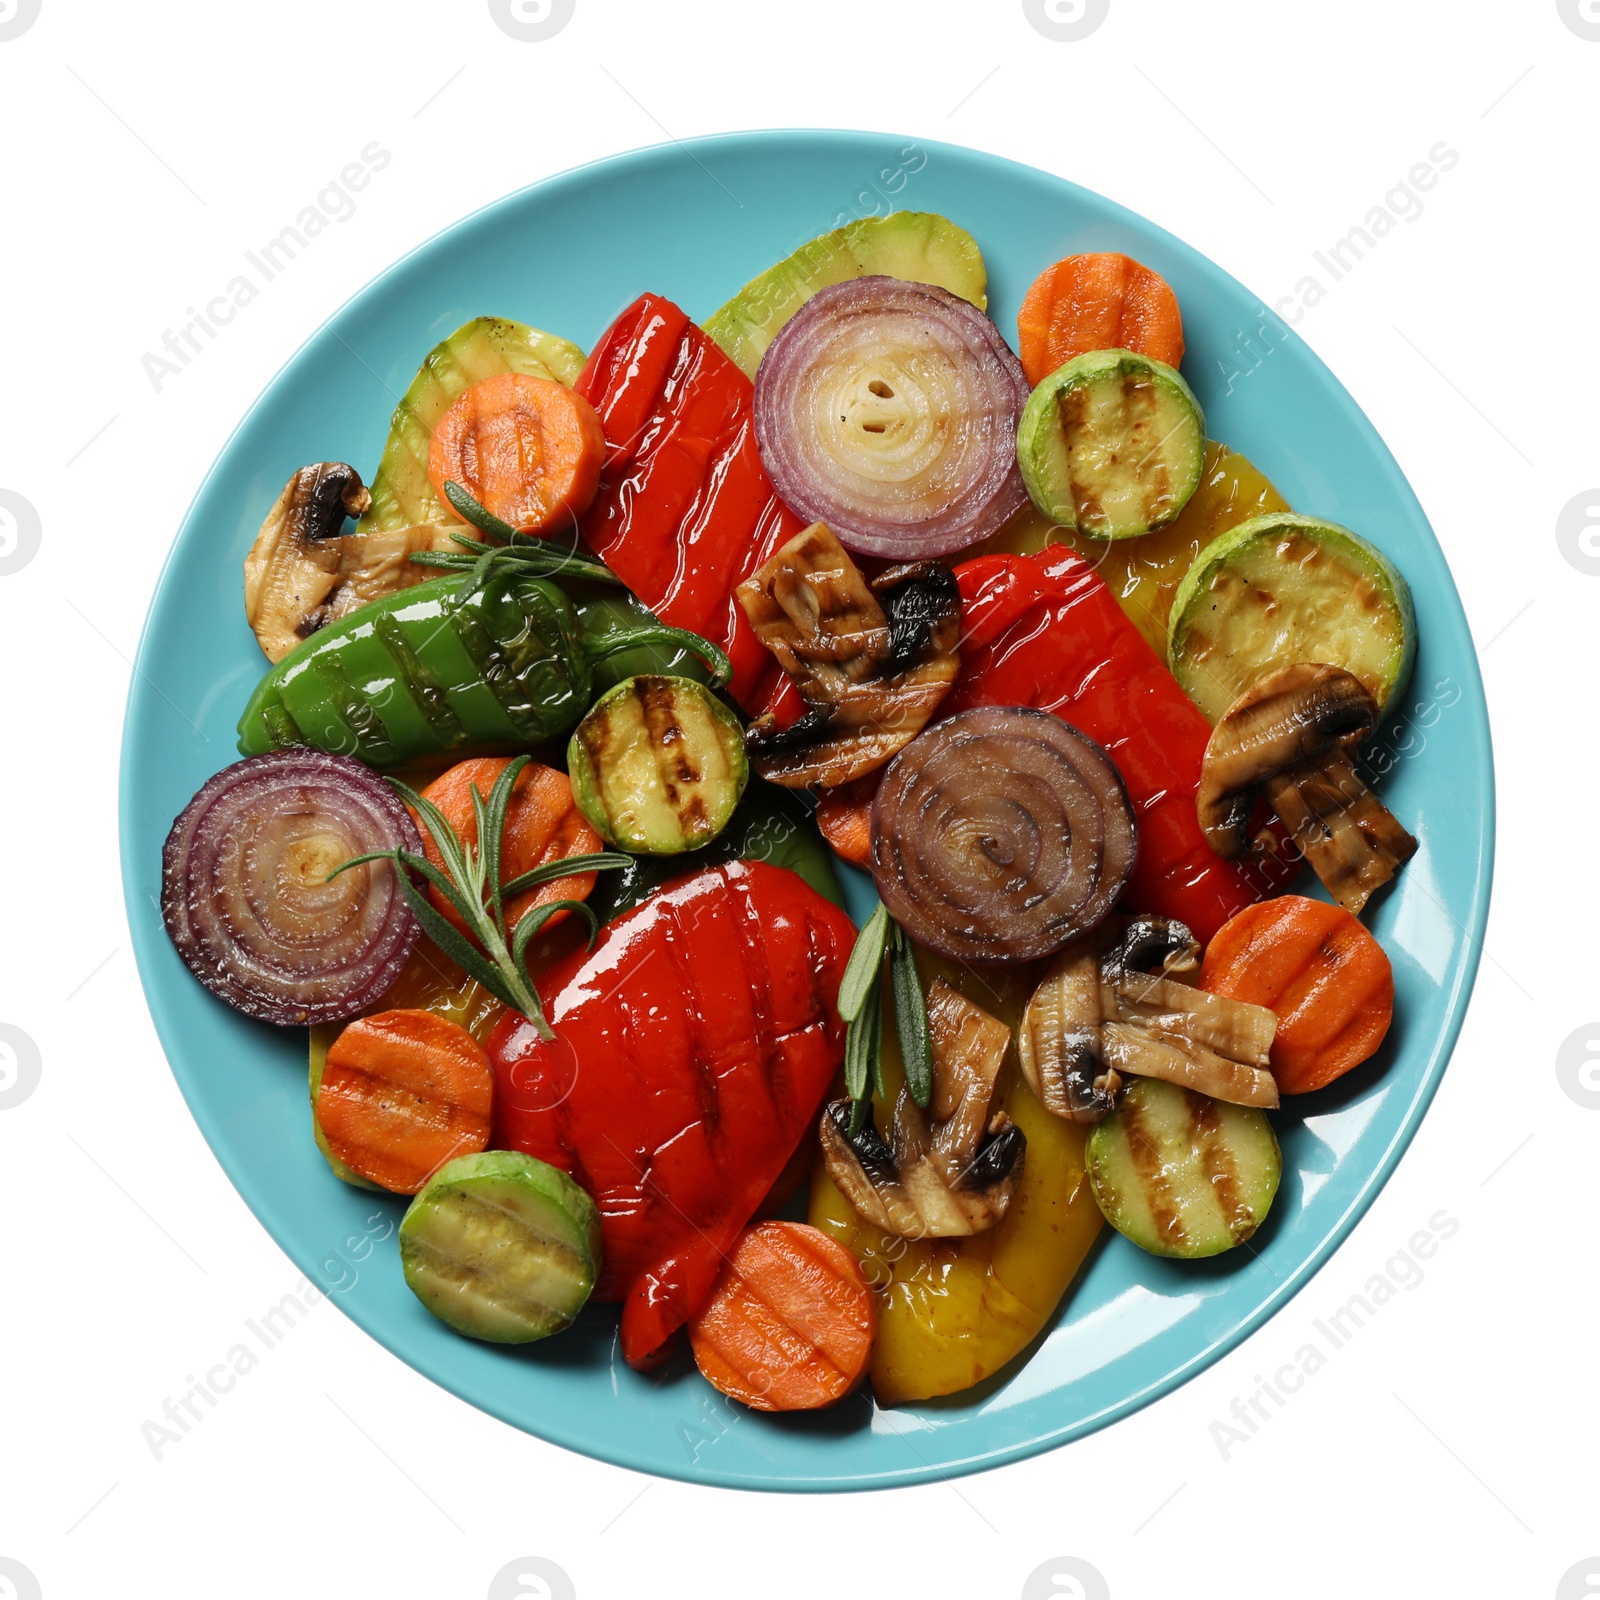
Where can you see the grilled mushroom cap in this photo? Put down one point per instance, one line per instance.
(1110, 1008)
(303, 570)
(1286, 737)
(1285, 719)
(871, 661)
(948, 1172)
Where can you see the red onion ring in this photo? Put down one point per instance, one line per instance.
(244, 892)
(889, 410)
(1001, 834)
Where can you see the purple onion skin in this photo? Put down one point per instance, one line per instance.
(815, 484)
(245, 863)
(1001, 834)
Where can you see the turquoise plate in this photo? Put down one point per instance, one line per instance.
(695, 221)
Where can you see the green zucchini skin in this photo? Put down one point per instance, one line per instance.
(1283, 588)
(770, 825)
(658, 765)
(1180, 1174)
(402, 497)
(501, 1247)
(424, 671)
(917, 246)
(1112, 444)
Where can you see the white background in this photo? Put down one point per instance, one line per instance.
(1448, 1447)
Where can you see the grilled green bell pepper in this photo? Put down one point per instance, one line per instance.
(451, 664)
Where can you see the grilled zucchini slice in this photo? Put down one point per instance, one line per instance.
(501, 1246)
(658, 765)
(1112, 444)
(1281, 589)
(1181, 1174)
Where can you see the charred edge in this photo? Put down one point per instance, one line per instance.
(876, 1158)
(332, 492)
(1149, 944)
(996, 1159)
(801, 737)
(923, 604)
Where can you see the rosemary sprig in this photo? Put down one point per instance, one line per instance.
(470, 881)
(861, 1007)
(536, 555)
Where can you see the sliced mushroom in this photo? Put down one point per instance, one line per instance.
(1286, 737)
(1110, 1008)
(948, 1172)
(303, 570)
(871, 661)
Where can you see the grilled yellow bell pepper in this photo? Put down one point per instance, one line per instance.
(1144, 573)
(953, 1311)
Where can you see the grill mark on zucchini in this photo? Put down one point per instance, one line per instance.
(659, 712)
(1144, 1152)
(1219, 1167)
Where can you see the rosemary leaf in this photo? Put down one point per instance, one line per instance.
(566, 867)
(461, 950)
(911, 1017)
(862, 971)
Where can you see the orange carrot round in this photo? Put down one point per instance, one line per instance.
(1324, 975)
(790, 1323)
(543, 824)
(527, 449)
(1097, 302)
(844, 818)
(402, 1093)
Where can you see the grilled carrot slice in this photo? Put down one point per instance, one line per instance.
(403, 1092)
(1097, 302)
(527, 449)
(1324, 975)
(790, 1323)
(844, 818)
(543, 824)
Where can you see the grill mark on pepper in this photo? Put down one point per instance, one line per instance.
(430, 699)
(1145, 1155)
(354, 710)
(1216, 1159)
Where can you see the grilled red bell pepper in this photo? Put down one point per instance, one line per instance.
(692, 1051)
(1046, 631)
(685, 511)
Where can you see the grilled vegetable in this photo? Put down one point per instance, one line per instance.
(501, 1247)
(1112, 1005)
(1144, 574)
(870, 672)
(770, 825)
(844, 819)
(448, 665)
(685, 511)
(888, 410)
(1001, 834)
(1183, 1175)
(402, 497)
(1097, 302)
(246, 898)
(790, 1324)
(917, 246)
(1281, 589)
(658, 765)
(527, 449)
(692, 1050)
(1045, 631)
(953, 1311)
(1324, 975)
(303, 570)
(947, 1173)
(542, 825)
(401, 1093)
(1112, 444)
(1288, 738)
